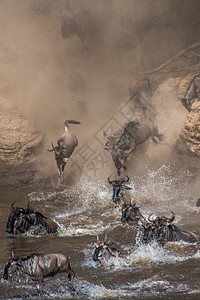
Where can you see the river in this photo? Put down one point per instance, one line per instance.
(85, 211)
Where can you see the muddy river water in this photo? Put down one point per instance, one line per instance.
(85, 211)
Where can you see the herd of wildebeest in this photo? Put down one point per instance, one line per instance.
(121, 144)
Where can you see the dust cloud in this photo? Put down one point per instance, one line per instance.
(40, 70)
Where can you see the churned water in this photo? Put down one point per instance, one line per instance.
(86, 211)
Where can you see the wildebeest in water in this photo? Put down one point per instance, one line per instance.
(21, 220)
(118, 188)
(36, 267)
(131, 214)
(162, 230)
(104, 251)
(133, 134)
(64, 149)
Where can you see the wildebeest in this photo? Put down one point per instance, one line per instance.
(118, 187)
(36, 267)
(133, 134)
(21, 220)
(131, 213)
(79, 24)
(104, 251)
(192, 93)
(64, 149)
(162, 230)
(198, 202)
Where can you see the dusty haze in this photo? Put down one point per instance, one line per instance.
(38, 65)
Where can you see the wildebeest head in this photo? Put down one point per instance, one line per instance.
(10, 267)
(130, 212)
(160, 221)
(58, 151)
(104, 250)
(117, 186)
(156, 228)
(6, 268)
(15, 213)
(98, 250)
(198, 202)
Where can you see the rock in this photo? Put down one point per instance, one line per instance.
(20, 145)
(189, 141)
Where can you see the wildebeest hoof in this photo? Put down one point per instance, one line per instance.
(61, 182)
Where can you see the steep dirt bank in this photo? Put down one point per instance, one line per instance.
(20, 144)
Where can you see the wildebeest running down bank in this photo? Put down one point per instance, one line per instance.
(134, 134)
(64, 149)
(192, 94)
(36, 267)
(79, 24)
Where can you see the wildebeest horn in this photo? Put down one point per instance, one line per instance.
(12, 205)
(109, 179)
(125, 180)
(149, 218)
(172, 218)
(12, 255)
(127, 187)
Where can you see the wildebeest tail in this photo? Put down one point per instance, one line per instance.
(72, 122)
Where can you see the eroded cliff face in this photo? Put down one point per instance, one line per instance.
(189, 141)
(20, 145)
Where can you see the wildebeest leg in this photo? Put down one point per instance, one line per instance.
(59, 174)
(40, 285)
(185, 102)
(62, 173)
(71, 275)
(125, 157)
(118, 163)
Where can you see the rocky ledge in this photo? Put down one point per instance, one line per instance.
(189, 141)
(20, 145)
